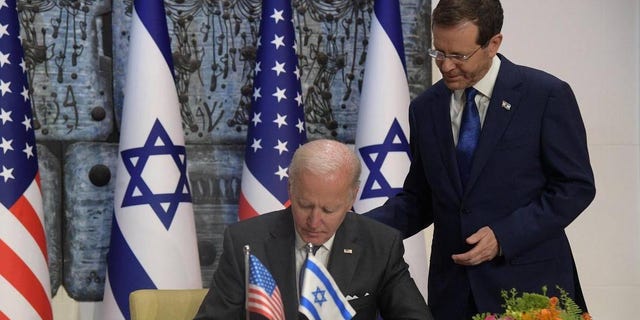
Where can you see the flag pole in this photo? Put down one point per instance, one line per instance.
(247, 252)
(304, 264)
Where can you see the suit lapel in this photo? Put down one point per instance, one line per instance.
(281, 260)
(497, 119)
(345, 253)
(442, 123)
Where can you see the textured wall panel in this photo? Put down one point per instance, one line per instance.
(214, 58)
(51, 182)
(214, 173)
(88, 211)
(69, 74)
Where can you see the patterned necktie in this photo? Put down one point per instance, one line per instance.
(469, 134)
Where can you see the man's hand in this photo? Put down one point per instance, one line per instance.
(485, 248)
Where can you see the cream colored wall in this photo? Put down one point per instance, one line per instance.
(594, 46)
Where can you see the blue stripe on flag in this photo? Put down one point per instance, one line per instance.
(388, 14)
(150, 12)
(327, 283)
(309, 306)
(126, 274)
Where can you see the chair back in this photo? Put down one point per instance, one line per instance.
(150, 304)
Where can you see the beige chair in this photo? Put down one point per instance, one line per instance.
(148, 304)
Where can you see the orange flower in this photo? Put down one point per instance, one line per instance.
(586, 316)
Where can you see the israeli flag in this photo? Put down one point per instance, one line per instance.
(153, 237)
(320, 297)
(382, 136)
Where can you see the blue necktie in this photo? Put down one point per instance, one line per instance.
(468, 135)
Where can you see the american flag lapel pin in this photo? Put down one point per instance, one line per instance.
(506, 105)
(348, 251)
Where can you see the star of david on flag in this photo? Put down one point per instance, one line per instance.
(382, 136)
(137, 160)
(320, 297)
(277, 125)
(25, 287)
(153, 237)
(374, 157)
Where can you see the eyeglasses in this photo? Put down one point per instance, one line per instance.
(457, 58)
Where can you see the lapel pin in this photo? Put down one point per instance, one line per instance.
(506, 105)
(349, 251)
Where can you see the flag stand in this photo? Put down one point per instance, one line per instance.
(247, 252)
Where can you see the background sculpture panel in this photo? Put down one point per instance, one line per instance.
(69, 78)
(214, 56)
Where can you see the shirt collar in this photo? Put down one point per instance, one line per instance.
(301, 245)
(486, 84)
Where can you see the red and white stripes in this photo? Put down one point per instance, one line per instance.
(25, 289)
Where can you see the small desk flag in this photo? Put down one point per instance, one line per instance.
(321, 298)
(264, 295)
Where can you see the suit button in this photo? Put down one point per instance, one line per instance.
(464, 210)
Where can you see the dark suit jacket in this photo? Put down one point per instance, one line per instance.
(529, 179)
(375, 266)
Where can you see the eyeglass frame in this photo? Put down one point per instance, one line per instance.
(460, 58)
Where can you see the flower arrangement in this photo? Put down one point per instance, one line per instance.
(533, 306)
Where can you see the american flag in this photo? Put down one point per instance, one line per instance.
(153, 237)
(277, 126)
(24, 275)
(264, 296)
(382, 136)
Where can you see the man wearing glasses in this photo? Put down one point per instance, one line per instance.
(500, 166)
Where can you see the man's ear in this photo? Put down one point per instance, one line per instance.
(494, 44)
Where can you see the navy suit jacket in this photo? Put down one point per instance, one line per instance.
(366, 261)
(530, 178)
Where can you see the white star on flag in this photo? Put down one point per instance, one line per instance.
(278, 68)
(280, 94)
(281, 146)
(256, 118)
(4, 87)
(277, 15)
(5, 116)
(6, 145)
(278, 41)
(4, 59)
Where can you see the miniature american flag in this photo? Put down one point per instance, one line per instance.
(264, 296)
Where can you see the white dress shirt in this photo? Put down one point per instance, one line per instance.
(485, 89)
(301, 254)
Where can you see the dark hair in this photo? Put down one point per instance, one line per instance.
(487, 15)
